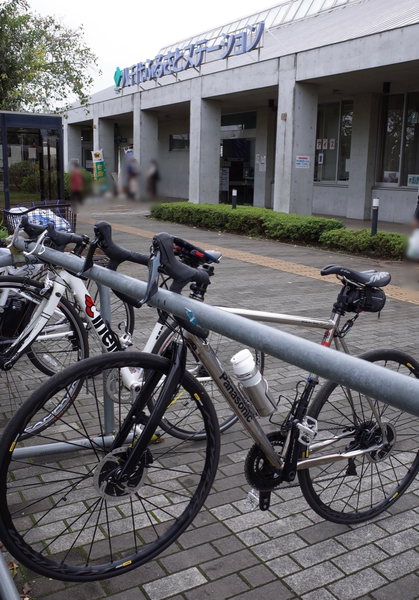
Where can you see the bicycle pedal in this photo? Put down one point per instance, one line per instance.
(264, 500)
(308, 430)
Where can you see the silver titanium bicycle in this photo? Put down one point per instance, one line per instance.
(85, 500)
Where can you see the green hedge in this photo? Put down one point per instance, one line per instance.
(386, 245)
(296, 229)
(247, 221)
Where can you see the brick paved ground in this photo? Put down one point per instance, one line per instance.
(288, 552)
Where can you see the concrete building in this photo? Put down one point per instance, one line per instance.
(311, 106)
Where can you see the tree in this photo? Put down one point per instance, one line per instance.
(44, 66)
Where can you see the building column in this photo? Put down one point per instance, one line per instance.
(72, 145)
(95, 127)
(296, 137)
(146, 141)
(204, 148)
(106, 141)
(264, 150)
(363, 156)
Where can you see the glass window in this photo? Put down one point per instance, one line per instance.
(347, 113)
(281, 14)
(271, 17)
(410, 162)
(392, 115)
(315, 7)
(238, 121)
(302, 11)
(34, 164)
(179, 141)
(333, 141)
(326, 138)
(293, 9)
(1, 171)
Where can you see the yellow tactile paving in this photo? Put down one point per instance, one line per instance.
(392, 291)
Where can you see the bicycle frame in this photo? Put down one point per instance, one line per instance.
(246, 414)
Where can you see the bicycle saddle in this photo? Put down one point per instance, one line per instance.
(369, 278)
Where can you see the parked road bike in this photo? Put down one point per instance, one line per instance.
(42, 326)
(44, 323)
(86, 499)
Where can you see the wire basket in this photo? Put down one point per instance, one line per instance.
(59, 213)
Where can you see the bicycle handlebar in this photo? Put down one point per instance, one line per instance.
(59, 239)
(180, 272)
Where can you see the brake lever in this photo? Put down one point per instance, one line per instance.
(88, 262)
(154, 265)
(40, 243)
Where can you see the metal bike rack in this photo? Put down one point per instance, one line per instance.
(375, 381)
(368, 378)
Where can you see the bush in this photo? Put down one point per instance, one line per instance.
(247, 221)
(18, 172)
(295, 229)
(31, 184)
(383, 245)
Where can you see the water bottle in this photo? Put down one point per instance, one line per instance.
(255, 385)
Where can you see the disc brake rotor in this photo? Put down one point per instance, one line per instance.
(107, 481)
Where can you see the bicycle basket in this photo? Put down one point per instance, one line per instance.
(41, 214)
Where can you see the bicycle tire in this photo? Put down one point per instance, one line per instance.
(48, 353)
(225, 349)
(59, 519)
(359, 489)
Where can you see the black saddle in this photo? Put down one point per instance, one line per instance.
(368, 278)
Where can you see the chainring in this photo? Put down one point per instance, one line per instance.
(258, 471)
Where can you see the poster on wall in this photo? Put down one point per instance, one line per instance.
(99, 170)
(332, 144)
(320, 158)
(302, 162)
(224, 179)
(390, 177)
(318, 144)
(413, 180)
(325, 144)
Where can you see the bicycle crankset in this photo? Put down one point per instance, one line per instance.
(107, 480)
(258, 471)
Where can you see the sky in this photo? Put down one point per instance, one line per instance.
(125, 32)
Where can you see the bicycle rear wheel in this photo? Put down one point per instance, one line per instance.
(176, 421)
(358, 489)
(61, 514)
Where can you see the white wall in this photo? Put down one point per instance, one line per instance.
(330, 200)
(173, 165)
(396, 205)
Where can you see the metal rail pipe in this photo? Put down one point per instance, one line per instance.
(395, 389)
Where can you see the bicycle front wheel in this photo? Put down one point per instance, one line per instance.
(61, 343)
(384, 441)
(176, 420)
(62, 516)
